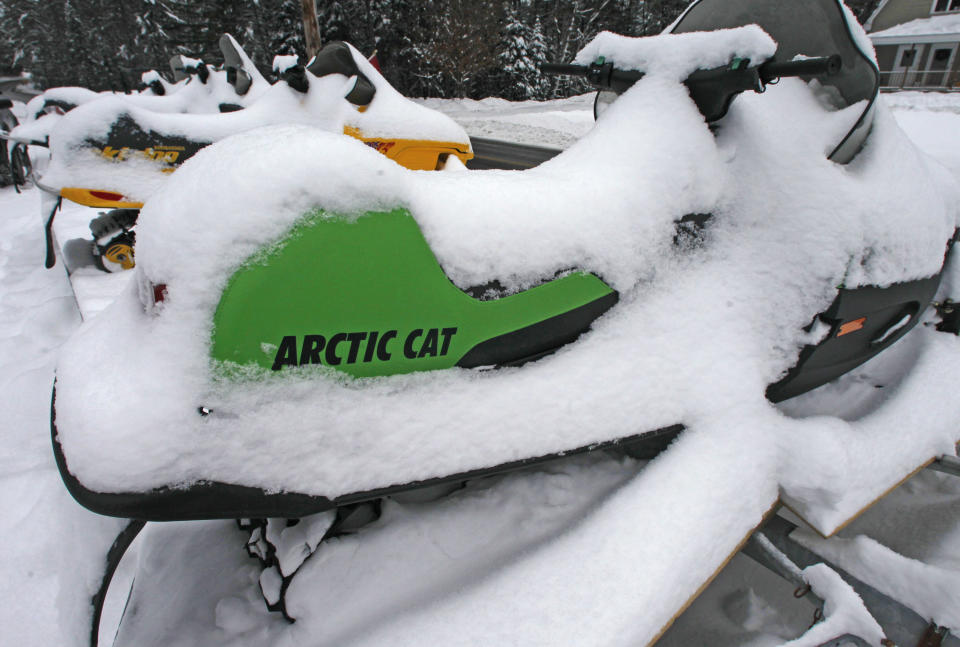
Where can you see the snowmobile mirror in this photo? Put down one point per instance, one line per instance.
(184, 67)
(336, 58)
(157, 87)
(362, 92)
(602, 102)
(239, 79)
(296, 78)
(177, 67)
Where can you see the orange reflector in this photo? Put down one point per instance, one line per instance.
(852, 326)
(107, 195)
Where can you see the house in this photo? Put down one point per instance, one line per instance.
(916, 43)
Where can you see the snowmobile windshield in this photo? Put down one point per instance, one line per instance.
(802, 28)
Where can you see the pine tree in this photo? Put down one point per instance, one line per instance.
(522, 53)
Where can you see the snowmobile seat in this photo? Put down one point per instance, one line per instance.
(808, 29)
(336, 58)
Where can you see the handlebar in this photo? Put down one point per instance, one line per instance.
(601, 75)
(822, 66)
(712, 90)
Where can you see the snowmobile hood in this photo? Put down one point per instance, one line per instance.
(701, 327)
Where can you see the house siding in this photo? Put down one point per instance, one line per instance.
(886, 59)
(897, 12)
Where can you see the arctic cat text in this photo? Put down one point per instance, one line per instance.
(375, 346)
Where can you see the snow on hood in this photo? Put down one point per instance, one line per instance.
(696, 337)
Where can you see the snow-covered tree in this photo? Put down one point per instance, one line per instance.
(523, 52)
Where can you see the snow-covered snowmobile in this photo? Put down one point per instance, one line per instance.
(320, 328)
(114, 153)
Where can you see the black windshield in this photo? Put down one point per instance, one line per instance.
(800, 27)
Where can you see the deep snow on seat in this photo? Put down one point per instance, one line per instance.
(803, 29)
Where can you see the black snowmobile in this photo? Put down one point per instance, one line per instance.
(380, 308)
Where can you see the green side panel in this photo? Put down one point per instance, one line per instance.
(368, 297)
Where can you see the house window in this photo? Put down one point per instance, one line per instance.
(942, 6)
(908, 56)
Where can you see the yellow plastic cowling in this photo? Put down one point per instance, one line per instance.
(98, 198)
(414, 154)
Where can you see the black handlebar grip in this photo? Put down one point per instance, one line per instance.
(823, 66)
(564, 68)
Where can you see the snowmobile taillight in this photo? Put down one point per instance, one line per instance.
(151, 294)
(159, 292)
(107, 195)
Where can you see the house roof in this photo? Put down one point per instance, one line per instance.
(935, 29)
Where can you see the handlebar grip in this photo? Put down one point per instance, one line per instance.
(563, 68)
(823, 66)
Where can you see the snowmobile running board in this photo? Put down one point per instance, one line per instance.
(214, 500)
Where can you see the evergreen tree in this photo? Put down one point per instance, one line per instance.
(522, 53)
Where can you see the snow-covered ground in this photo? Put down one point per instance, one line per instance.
(464, 557)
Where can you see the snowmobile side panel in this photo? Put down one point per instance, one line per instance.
(95, 198)
(414, 154)
(215, 500)
(863, 321)
(376, 302)
(127, 137)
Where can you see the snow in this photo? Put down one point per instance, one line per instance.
(947, 25)
(843, 611)
(52, 548)
(933, 592)
(578, 553)
(677, 55)
(551, 124)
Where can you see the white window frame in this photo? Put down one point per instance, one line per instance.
(934, 12)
